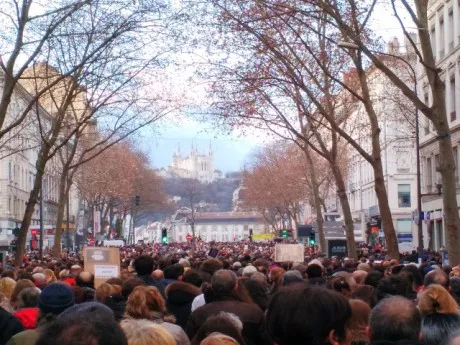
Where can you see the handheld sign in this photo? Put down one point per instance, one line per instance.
(289, 252)
(104, 263)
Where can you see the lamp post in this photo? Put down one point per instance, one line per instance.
(354, 46)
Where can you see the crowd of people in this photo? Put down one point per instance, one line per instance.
(230, 294)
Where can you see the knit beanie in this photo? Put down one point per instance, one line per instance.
(55, 298)
(95, 310)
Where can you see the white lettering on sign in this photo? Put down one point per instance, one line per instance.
(106, 271)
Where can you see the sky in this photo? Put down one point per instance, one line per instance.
(231, 152)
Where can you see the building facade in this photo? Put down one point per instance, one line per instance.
(18, 151)
(398, 152)
(195, 165)
(216, 226)
(444, 26)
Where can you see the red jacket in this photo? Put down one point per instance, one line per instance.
(28, 317)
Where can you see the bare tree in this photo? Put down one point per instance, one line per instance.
(104, 47)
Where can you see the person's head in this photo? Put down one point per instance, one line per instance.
(210, 266)
(192, 277)
(225, 323)
(393, 286)
(314, 271)
(276, 275)
(373, 278)
(106, 290)
(417, 277)
(359, 276)
(7, 286)
(129, 285)
(144, 302)
(340, 284)
(144, 332)
(64, 274)
(144, 265)
(437, 328)
(55, 298)
(224, 282)
(75, 270)
(28, 298)
(219, 339)
(49, 276)
(395, 319)
(364, 267)
(248, 271)
(85, 279)
(258, 292)
(454, 283)
(365, 293)
(174, 271)
(39, 279)
(158, 275)
(20, 285)
(359, 321)
(308, 315)
(436, 277)
(82, 329)
(436, 299)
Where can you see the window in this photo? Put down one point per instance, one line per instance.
(403, 195)
(441, 37)
(429, 175)
(453, 114)
(450, 29)
(404, 226)
(10, 175)
(437, 167)
(433, 40)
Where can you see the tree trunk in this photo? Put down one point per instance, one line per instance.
(449, 193)
(60, 215)
(348, 219)
(385, 212)
(316, 197)
(30, 208)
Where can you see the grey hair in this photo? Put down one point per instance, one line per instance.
(235, 320)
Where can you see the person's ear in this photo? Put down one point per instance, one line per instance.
(369, 333)
(332, 338)
(420, 336)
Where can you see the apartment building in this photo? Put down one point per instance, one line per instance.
(398, 152)
(444, 26)
(18, 155)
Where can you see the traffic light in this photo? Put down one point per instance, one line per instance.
(284, 233)
(312, 239)
(138, 200)
(164, 235)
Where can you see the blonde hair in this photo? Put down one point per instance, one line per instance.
(7, 286)
(144, 332)
(218, 339)
(436, 299)
(143, 301)
(105, 290)
(50, 276)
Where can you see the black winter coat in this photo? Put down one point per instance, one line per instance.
(9, 326)
(179, 298)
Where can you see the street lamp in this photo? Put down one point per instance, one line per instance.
(349, 45)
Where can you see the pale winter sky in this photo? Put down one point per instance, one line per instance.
(231, 152)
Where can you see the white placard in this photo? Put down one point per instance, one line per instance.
(289, 252)
(106, 271)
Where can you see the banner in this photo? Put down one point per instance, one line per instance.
(289, 252)
(104, 263)
(263, 237)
